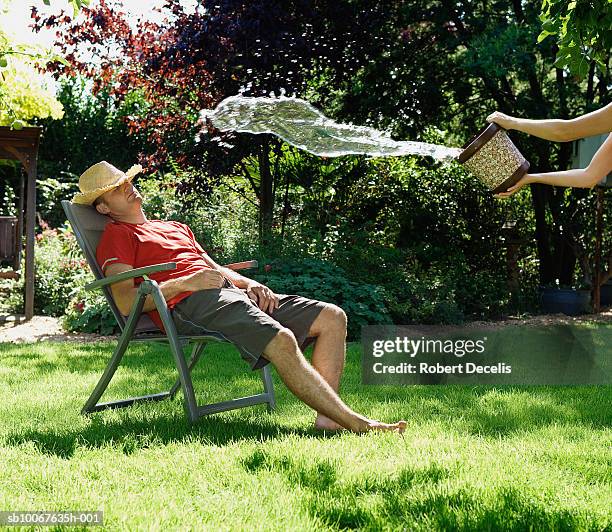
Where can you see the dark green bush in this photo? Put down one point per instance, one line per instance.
(423, 297)
(49, 195)
(223, 222)
(363, 303)
(60, 270)
(430, 235)
(389, 239)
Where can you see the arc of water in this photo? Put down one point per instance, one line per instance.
(299, 123)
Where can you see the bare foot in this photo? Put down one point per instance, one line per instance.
(324, 423)
(372, 424)
(366, 425)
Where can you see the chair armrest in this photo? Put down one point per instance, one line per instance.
(241, 265)
(130, 274)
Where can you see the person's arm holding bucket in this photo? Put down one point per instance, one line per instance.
(595, 123)
(599, 167)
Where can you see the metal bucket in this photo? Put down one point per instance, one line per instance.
(8, 237)
(494, 159)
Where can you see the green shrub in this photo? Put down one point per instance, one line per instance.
(11, 295)
(423, 297)
(222, 222)
(430, 235)
(61, 275)
(49, 195)
(384, 239)
(363, 303)
(60, 271)
(89, 312)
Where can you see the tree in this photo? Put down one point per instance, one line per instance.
(93, 129)
(193, 61)
(448, 65)
(583, 29)
(23, 95)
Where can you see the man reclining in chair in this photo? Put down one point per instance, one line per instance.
(203, 296)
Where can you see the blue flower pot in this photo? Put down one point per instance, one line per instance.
(565, 301)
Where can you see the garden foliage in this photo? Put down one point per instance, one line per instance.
(427, 240)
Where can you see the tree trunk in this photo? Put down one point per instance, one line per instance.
(285, 207)
(567, 261)
(266, 199)
(556, 257)
(602, 86)
(542, 233)
(590, 93)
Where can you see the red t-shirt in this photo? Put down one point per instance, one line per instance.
(152, 242)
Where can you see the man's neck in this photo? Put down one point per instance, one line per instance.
(130, 218)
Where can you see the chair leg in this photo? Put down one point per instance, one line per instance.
(266, 377)
(191, 407)
(92, 403)
(109, 371)
(212, 408)
(195, 356)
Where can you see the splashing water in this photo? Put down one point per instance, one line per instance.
(300, 124)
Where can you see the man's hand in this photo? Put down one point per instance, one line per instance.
(264, 297)
(203, 280)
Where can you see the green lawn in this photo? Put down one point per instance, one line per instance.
(472, 458)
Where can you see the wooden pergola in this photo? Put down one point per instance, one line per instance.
(22, 145)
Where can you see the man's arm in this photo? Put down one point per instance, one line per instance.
(239, 280)
(264, 297)
(124, 292)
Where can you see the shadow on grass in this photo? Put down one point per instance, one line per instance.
(410, 498)
(81, 358)
(131, 435)
(220, 375)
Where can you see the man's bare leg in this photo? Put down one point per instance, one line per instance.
(328, 355)
(310, 387)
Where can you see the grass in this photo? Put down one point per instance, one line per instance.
(472, 458)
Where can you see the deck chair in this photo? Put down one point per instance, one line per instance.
(88, 226)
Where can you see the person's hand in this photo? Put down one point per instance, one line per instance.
(525, 180)
(204, 280)
(502, 119)
(264, 297)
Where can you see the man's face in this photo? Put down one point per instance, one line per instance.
(121, 200)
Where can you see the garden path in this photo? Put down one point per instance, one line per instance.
(12, 329)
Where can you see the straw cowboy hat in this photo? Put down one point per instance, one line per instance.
(100, 178)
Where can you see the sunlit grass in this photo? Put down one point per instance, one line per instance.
(472, 458)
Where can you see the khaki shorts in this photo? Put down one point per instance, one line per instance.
(229, 312)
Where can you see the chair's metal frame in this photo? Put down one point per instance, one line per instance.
(139, 328)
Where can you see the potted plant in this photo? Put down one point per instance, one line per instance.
(565, 300)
